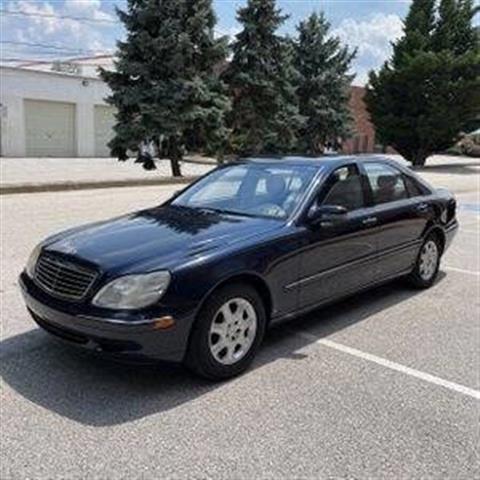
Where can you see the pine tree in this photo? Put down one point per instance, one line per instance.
(422, 99)
(418, 29)
(454, 28)
(262, 82)
(324, 84)
(446, 31)
(164, 87)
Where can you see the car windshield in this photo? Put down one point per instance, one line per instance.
(250, 189)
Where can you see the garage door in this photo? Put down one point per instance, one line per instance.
(104, 121)
(50, 129)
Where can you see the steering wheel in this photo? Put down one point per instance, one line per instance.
(271, 209)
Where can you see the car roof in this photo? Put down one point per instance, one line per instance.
(331, 161)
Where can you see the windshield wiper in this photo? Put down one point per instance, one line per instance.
(228, 212)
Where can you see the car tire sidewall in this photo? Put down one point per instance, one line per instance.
(199, 357)
(415, 278)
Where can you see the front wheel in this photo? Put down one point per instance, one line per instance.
(427, 265)
(227, 332)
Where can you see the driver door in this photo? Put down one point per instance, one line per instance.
(339, 256)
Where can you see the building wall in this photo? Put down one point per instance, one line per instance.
(18, 85)
(363, 139)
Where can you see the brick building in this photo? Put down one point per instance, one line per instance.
(363, 139)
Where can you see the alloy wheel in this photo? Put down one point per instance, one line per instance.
(428, 260)
(232, 331)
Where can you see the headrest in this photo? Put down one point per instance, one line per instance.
(275, 185)
(387, 181)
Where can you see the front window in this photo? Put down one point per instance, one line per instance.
(250, 189)
(343, 188)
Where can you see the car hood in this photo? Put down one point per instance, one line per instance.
(160, 237)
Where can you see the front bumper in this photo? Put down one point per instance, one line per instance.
(135, 341)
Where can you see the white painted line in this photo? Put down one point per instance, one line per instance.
(469, 224)
(393, 366)
(462, 270)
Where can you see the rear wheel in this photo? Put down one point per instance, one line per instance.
(426, 267)
(227, 333)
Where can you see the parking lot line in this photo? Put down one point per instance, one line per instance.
(393, 365)
(469, 224)
(461, 270)
(470, 232)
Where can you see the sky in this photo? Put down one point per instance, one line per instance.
(369, 25)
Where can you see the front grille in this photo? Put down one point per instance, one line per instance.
(62, 278)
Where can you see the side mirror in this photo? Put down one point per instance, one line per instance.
(326, 215)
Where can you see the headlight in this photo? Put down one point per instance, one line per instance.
(133, 291)
(32, 261)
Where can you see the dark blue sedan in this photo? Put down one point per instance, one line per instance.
(199, 278)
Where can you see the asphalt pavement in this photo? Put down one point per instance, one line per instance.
(383, 385)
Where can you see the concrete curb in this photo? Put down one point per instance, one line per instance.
(212, 163)
(91, 185)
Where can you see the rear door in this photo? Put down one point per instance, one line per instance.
(401, 216)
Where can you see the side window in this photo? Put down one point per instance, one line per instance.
(413, 188)
(344, 188)
(387, 183)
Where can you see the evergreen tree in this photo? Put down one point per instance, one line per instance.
(324, 85)
(418, 29)
(422, 99)
(164, 87)
(454, 29)
(261, 78)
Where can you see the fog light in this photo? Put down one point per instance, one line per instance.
(163, 323)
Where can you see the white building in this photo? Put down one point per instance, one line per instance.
(47, 113)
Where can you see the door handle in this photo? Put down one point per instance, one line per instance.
(422, 207)
(370, 221)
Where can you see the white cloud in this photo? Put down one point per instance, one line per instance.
(87, 8)
(230, 32)
(372, 37)
(82, 5)
(49, 24)
(41, 26)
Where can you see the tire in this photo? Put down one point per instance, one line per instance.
(427, 264)
(213, 350)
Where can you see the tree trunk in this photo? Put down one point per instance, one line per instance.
(175, 155)
(316, 146)
(175, 166)
(419, 158)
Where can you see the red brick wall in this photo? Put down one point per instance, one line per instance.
(363, 139)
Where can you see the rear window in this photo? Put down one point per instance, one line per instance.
(414, 188)
(386, 182)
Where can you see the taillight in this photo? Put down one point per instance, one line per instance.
(451, 209)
